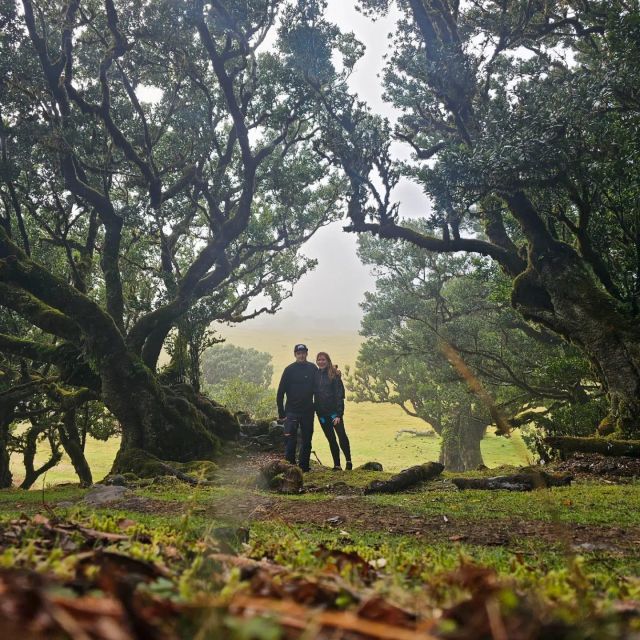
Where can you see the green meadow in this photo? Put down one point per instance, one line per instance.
(372, 427)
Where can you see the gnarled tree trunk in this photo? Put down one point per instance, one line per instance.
(29, 454)
(460, 447)
(72, 444)
(6, 417)
(169, 422)
(559, 291)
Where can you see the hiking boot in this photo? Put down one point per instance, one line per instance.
(337, 468)
(348, 466)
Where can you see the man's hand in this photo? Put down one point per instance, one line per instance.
(336, 421)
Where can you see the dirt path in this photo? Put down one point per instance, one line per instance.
(356, 512)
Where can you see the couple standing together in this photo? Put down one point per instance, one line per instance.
(310, 388)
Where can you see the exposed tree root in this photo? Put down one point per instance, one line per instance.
(604, 446)
(526, 481)
(406, 478)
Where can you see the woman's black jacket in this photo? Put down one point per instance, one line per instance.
(328, 394)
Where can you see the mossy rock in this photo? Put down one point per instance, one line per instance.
(199, 469)
(607, 426)
(280, 476)
(371, 466)
(139, 463)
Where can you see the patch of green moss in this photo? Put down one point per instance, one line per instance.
(200, 469)
(139, 463)
(607, 425)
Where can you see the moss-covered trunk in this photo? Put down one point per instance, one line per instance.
(72, 444)
(169, 422)
(559, 291)
(31, 438)
(460, 446)
(6, 417)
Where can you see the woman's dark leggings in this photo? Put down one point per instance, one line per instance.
(330, 430)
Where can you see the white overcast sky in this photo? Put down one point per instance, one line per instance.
(330, 295)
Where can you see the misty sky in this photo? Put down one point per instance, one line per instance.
(331, 294)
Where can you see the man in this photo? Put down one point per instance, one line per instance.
(297, 384)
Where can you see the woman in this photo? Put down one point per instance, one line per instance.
(329, 406)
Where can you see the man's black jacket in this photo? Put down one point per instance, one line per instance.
(329, 394)
(297, 383)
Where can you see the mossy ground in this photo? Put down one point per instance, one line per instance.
(574, 547)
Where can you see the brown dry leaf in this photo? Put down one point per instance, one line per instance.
(40, 519)
(295, 617)
(102, 536)
(310, 592)
(126, 523)
(89, 606)
(171, 552)
(347, 559)
(116, 568)
(380, 610)
(474, 577)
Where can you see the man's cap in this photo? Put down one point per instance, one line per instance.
(300, 347)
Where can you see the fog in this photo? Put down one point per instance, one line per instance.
(330, 296)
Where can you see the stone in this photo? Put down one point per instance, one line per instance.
(371, 466)
(116, 480)
(100, 494)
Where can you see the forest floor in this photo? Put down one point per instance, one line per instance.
(229, 561)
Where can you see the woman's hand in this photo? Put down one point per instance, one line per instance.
(336, 420)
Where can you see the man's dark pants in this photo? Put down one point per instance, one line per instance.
(293, 422)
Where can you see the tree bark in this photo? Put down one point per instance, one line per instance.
(603, 446)
(405, 479)
(71, 442)
(520, 482)
(6, 418)
(31, 442)
(169, 422)
(558, 291)
(460, 447)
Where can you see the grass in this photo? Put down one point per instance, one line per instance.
(99, 454)
(582, 503)
(415, 569)
(411, 562)
(369, 432)
(371, 427)
(577, 584)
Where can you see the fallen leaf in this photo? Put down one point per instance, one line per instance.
(347, 560)
(126, 523)
(379, 609)
(40, 519)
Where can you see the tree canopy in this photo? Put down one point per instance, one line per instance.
(224, 362)
(443, 342)
(523, 122)
(154, 158)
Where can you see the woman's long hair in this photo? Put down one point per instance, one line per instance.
(331, 370)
